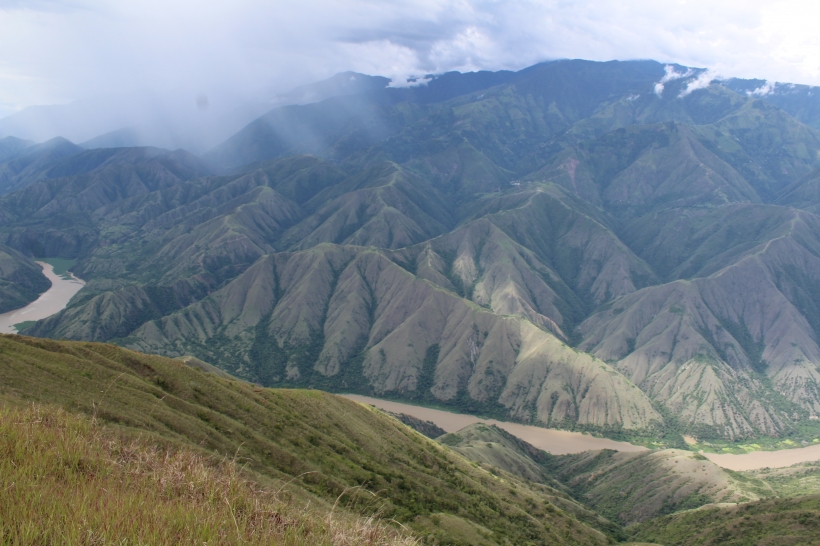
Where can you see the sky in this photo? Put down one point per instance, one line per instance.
(56, 51)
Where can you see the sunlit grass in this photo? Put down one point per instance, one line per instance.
(66, 480)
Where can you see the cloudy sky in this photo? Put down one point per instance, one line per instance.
(55, 51)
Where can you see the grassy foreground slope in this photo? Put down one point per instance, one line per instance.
(71, 481)
(325, 447)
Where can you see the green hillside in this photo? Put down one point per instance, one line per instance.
(792, 481)
(494, 446)
(778, 521)
(147, 418)
(628, 487)
(635, 487)
(21, 280)
(313, 445)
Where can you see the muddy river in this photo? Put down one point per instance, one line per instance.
(50, 302)
(557, 442)
(765, 459)
(560, 442)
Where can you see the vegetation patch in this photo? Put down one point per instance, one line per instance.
(20, 326)
(775, 521)
(61, 265)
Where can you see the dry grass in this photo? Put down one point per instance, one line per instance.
(66, 480)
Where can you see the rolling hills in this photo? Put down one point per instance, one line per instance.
(625, 487)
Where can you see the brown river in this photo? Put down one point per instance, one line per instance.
(557, 442)
(50, 302)
(561, 442)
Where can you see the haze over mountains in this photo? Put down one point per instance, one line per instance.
(623, 247)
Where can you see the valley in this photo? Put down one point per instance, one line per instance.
(53, 300)
(561, 442)
(613, 264)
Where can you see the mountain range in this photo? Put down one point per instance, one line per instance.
(622, 247)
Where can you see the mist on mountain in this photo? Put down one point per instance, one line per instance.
(167, 122)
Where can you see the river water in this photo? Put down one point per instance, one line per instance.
(765, 459)
(50, 302)
(557, 442)
(561, 442)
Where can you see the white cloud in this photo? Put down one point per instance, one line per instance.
(700, 82)
(671, 74)
(55, 51)
(763, 90)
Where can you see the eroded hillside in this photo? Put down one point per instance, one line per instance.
(572, 245)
